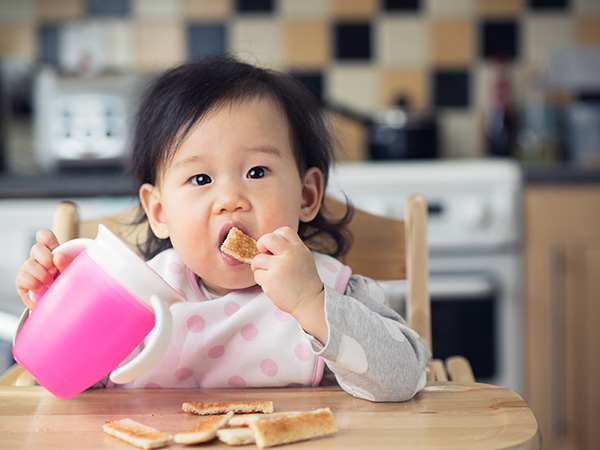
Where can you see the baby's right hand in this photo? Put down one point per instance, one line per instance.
(38, 272)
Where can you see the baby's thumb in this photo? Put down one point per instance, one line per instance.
(61, 261)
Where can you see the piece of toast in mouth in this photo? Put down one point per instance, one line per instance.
(137, 434)
(207, 408)
(240, 246)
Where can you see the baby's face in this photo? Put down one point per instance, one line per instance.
(235, 168)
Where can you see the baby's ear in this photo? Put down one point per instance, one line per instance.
(312, 193)
(151, 202)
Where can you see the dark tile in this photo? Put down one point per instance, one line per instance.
(48, 42)
(402, 5)
(499, 39)
(313, 81)
(549, 4)
(254, 6)
(353, 41)
(451, 88)
(206, 39)
(108, 7)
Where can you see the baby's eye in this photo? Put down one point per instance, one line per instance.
(200, 179)
(257, 172)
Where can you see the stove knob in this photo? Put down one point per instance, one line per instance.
(475, 214)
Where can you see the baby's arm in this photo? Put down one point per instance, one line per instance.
(39, 270)
(372, 352)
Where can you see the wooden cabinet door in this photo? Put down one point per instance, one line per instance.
(563, 314)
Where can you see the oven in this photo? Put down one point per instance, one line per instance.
(474, 238)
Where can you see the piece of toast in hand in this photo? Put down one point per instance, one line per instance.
(240, 246)
(205, 430)
(207, 408)
(137, 434)
(284, 430)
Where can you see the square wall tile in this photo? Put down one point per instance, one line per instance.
(207, 9)
(545, 34)
(313, 9)
(354, 86)
(159, 45)
(313, 81)
(412, 84)
(403, 41)
(452, 42)
(307, 43)
(17, 39)
(120, 43)
(17, 10)
(204, 39)
(500, 8)
(350, 139)
(254, 6)
(451, 8)
(48, 38)
(587, 30)
(353, 41)
(48, 10)
(158, 9)
(108, 7)
(355, 9)
(461, 134)
(499, 39)
(548, 4)
(451, 88)
(256, 40)
(402, 5)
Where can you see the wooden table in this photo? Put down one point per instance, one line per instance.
(442, 416)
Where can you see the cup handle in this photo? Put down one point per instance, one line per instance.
(154, 351)
(70, 248)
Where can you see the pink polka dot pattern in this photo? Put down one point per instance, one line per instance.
(282, 316)
(269, 367)
(175, 268)
(249, 332)
(237, 382)
(196, 324)
(329, 266)
(183, 373)
(231, 308)
(216, 352)
(303, 352)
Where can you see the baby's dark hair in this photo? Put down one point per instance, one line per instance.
(180, 97)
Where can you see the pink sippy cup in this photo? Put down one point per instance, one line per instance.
(93, 316)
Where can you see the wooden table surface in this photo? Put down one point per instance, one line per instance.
(442, 416)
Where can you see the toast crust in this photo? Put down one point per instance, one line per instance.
(207, 408)
(137, 434)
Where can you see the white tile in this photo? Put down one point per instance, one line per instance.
(160, 9)
(544, 34)
(402, 40)
(354, 86)
(305, 8)
(450, 7)
(257, 40)
(460, 134)
(119, 41)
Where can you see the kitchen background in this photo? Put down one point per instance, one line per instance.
(443, 58)
(491, 108)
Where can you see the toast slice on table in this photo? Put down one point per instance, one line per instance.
(208, 408)
(205, 430)
(284, 430)
(240, 246)
(137, 434)
(244, 420)
(236, 436)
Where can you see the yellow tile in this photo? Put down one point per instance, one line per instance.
(355, 9)
(500, 8)
(307, 43)
(410, 83)
(159, 45)
(587, 29)
(60, 9)
(350, 139)
(17, 39)
(452, 42)
(207, 9)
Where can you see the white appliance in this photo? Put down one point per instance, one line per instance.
(474, 234)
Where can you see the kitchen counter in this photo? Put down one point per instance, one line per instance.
(69, 183)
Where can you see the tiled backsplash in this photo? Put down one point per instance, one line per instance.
(365, 54)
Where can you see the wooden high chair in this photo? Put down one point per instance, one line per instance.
(383, 248)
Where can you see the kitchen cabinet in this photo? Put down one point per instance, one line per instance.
(562, 261)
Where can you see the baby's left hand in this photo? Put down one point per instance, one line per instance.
(286, 271)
